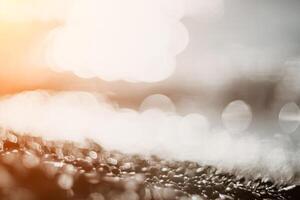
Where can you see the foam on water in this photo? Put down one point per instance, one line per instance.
(77, 115)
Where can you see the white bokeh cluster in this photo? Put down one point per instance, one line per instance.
(134, 40)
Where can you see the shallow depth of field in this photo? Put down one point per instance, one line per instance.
(149, 99)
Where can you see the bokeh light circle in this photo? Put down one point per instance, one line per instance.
(237, 116)
(289, 117)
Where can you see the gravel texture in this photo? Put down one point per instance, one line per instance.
(32, 168)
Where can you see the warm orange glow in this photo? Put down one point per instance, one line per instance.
(18, 49)
(29, 10)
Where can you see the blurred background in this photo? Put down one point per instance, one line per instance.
(236, 50)
(235, 64)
